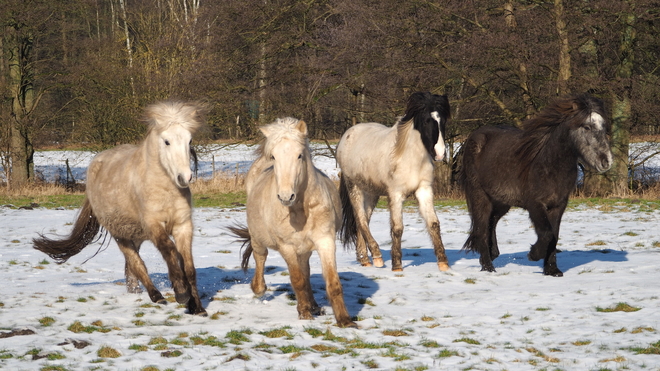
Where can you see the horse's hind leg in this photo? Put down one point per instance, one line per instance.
(424, 197)
(136, 270)
(498, 212)
(183, 238)
(363, 204)
(370, 202)
(480, 209)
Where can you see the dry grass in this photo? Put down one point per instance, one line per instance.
(221, 183)
(39, 189)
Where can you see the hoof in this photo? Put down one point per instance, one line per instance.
(553, 271)
(534, 255)
(305, 316)
(444, 267)
(318, 311)
(365, 264)
(347, 324)
(182, 298)
(157, 298)
(195, 310)
(378, 262)
(397, 269)
(489, 268)
(201, 313)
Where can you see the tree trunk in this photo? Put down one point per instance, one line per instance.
(22, 104)
(564, 50)
(615, 181)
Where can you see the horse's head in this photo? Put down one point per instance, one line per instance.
(429, 113)
(589, 132)
(286, 147)
(172, 125)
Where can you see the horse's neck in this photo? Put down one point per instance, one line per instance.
(408, 142)
(558, 151)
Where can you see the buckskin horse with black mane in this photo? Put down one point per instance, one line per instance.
(395, 161)
(534, 168)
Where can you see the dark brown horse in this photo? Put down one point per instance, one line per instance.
(534, 168)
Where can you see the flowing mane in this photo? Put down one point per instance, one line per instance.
(161, 115)
(565, 113)
(281, 128)
(418, 115)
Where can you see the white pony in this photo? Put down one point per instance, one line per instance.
(139, 193)
(396, 161)
(293, 208)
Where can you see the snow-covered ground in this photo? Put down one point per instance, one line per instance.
(514, 319)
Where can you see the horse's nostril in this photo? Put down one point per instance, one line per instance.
(292, 197)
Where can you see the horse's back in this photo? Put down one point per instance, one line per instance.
(489, 162)
(364, 152)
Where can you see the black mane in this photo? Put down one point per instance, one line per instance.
(420, 106)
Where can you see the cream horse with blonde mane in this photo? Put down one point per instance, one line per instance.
(139, 193)
(293, 208)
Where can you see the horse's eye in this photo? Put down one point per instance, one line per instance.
(190, 143)
(167, 142)
(272, 157)
(299, 156)
(587, 127)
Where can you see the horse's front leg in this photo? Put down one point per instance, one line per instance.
(544, 221)
(303, 261)
(182, 234)
(258, 284)
(550, 267)
(326, 249)
(135, 270)
(161, 239)
(424, 197)
(299, 282)
(396, 229)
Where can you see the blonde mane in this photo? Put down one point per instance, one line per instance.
(402, 131)
(275, 132)
(160, 116)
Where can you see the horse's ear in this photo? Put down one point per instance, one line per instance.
(265, 130)
(301, 126)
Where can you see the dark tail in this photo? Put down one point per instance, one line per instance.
(84, 232)
(464, 164)
(243, 235)
(348, 231)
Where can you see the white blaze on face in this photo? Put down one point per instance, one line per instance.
(440, 145)
(597, 120)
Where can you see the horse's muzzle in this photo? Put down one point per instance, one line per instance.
(182, 182)
(287, 199)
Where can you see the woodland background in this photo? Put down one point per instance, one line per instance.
(79, 72)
